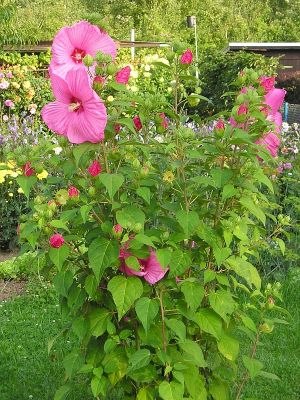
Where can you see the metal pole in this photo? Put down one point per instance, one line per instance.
(196, 50)
(132, 39)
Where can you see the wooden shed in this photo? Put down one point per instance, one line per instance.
(289, 52)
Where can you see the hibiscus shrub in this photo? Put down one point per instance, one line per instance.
(155, 229)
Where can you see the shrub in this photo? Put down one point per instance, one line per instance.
(21, 267)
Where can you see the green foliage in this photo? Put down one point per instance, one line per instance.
(22, 266)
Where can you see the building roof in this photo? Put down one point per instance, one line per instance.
(264, 46)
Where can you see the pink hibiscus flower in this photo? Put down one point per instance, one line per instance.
(123, 75)
(274, 99)
(270, 142)
(78, 112)
(150, 268)
(186, 57)
(267, 82)
(73, 43)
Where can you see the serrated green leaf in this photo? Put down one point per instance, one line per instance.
(193, 293)
(193, 353)
(98, 319)
(81, 149)
(62, 393)
(164, 257)
(26, 183)
(59, 256)
(130, 214)
(245, 270)
(91, 285)
(180, 262)
(177, 327)
(189, 221)
(209, 322)
(222, 303)
(73, 362)
(229, 347)
(171, 391)
(102, 253)
(139, 359)
(62, 282)
(146, 310)
(144, 193)
(125, 291)
(253, 208)
(253, 366)
(112, 182)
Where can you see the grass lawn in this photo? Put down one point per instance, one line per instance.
(27, 372)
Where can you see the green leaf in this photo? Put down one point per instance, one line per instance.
(84, 212)
(228, 192)
(138, 360)
(261, 177)
(62, 282)
(229, 347)
(221, 176)
(62, 392)
(195, 383)
(102, 253)
(125, 291)
(130, 215)
(79, 326)
(253, 208)
(193, 353)
(132, 263)
(81, 149)
(253, 366)
(56, 223)
(91, 285)
(248, 322)
(221, 254)
(98, 319)
(59, 256)
(222, 303)
(177, 327)
(171, 391)
(146, 310)
(244, 269)
(189, 221)
(73, 362)
(112, 182)
(268, 375)
(180, 262)
(26, 183)
(144, 394)
(99, 385)
(219, 390)
(281, 245)
(193, 293)
(209, 275)
(144, 193)
(144, 239)
(209, 322)
(164, 257)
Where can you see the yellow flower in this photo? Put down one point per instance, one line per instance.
(1, 179)
(20, 190)
(10, 182)
(11, 194)
(110, 99)
(26, 85)
(15, 85)
(42, 175)
(11, 164)
(168, 176)
(17, 99)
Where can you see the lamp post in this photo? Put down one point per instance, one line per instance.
(192, 23)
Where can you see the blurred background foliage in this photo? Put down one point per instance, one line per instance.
(219, 21)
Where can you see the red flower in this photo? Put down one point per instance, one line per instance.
(123, 75)
(73, 192)
(118, 228)
(28, 171)
(95, 168)
(164, 121)
(186, 57)
(137, 123)
(220, 124)
(56, 241)
(117, 128)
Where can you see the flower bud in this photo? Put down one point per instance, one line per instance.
(88, 60)
(111, 69)
(117, 231)
(137, 227)
(56, 240)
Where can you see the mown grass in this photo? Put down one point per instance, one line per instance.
(28, 322)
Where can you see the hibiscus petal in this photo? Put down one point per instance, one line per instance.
(88, 124)
(60, 88)
(79, 84)
(62, 47)
(57, 117)
(274, 99)
(154, 271)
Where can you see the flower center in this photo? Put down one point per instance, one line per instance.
(75, 105)
(78, 55)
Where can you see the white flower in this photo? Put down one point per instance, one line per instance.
(134, 89)
(285, 126)
(134, 74)
(147, 67)
(32, 111)
(159, 139)
(57, 150)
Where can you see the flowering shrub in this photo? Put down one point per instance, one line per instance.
(154, 229)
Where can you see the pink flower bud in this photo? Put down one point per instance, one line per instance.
(220, 124)
(137, 123)
(243, 109)
(267, 82)
(186, 57)
(164, 121)
(56, 241)
(123, 75)
(73, 192)
(117, 231)
(117, 128)
(28, 171)
(95, 168)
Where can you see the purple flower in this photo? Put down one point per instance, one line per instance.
(9, 103)
(9, 75)
(287, 166)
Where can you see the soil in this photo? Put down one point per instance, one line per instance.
(10, 288)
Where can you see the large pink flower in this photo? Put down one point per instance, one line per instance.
(270, 142)
(274, 99)
(73, 43)
(78, 112)
(150, 268)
